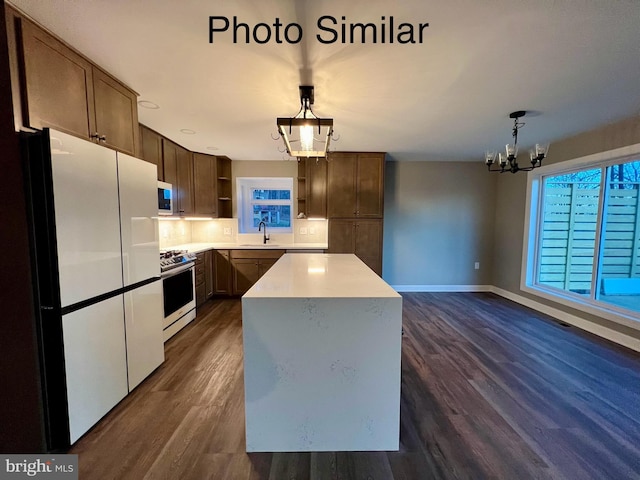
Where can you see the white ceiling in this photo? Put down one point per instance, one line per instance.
(574, 63)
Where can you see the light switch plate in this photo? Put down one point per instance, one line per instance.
(227, 231)
(312, 230)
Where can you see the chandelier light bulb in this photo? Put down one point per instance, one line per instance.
(306, 138)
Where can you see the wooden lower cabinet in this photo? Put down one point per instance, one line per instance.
(249, 265)
(204, 277)
(221, 272)
(362, 237)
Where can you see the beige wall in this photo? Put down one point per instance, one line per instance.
(439, 220)
(265, 168)
(510, 195)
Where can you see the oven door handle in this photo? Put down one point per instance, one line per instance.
(177, 270)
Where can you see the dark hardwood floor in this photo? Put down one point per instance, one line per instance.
(490, 389)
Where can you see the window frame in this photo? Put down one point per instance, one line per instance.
(244, 186)
(532, 230)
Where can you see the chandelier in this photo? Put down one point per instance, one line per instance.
(508, 162)
(305, 134)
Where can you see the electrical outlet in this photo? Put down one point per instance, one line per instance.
(312, 230)
(477, 265)
(227, 231)
(165, 233)
(303, 230)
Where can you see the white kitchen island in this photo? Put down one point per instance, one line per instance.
(322, 344)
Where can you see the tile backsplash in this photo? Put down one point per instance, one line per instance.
(225, 230)
(174, 232)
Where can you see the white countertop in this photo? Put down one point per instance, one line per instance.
(320, 275)
(201, 247)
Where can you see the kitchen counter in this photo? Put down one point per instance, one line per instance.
(201, 247)
(322, 346)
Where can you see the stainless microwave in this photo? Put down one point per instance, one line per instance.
(165, 198)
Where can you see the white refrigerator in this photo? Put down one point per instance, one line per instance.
(96, 269)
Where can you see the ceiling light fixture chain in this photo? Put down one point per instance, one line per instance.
(508, 162)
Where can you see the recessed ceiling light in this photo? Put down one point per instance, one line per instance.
(188, 131)
(213, 148)
(148, 104)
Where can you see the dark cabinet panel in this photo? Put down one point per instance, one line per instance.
(57, 84)
(204, 276)
(178, 170)
(355, 185)
(61, 89)
(208, 273)
(341, 236)
(249, 265)
(185, 181)
(341, 189)
(369, 185)
(170, 168)
(151, 148)
(205, 184)
(221, 272)
(316, 188)
(368, 243)
(116, 111)
(363, 237)
(246, 272)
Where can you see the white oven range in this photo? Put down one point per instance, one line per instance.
(178, 287)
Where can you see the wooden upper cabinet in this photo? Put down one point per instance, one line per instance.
(151, 148)
(185, 181)
(341, 187)
(316, 188)
(61, 89)
(116, 111)
(370, 185)
(178, 171)
(57, 83)
(170, 168)
(355, 185)
(205, 184)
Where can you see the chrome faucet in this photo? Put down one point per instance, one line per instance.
(265, 237)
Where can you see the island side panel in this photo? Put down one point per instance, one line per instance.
(322, 374)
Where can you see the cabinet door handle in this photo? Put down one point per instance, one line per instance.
(98, 137)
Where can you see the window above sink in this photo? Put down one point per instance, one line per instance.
(265, 199)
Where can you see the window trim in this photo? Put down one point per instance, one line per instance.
(531, 237)
(245, 202)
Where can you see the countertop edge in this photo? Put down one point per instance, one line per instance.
(202, 247)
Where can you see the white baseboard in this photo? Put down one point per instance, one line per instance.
(604, 332)
(620, 338)
(442, 288)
